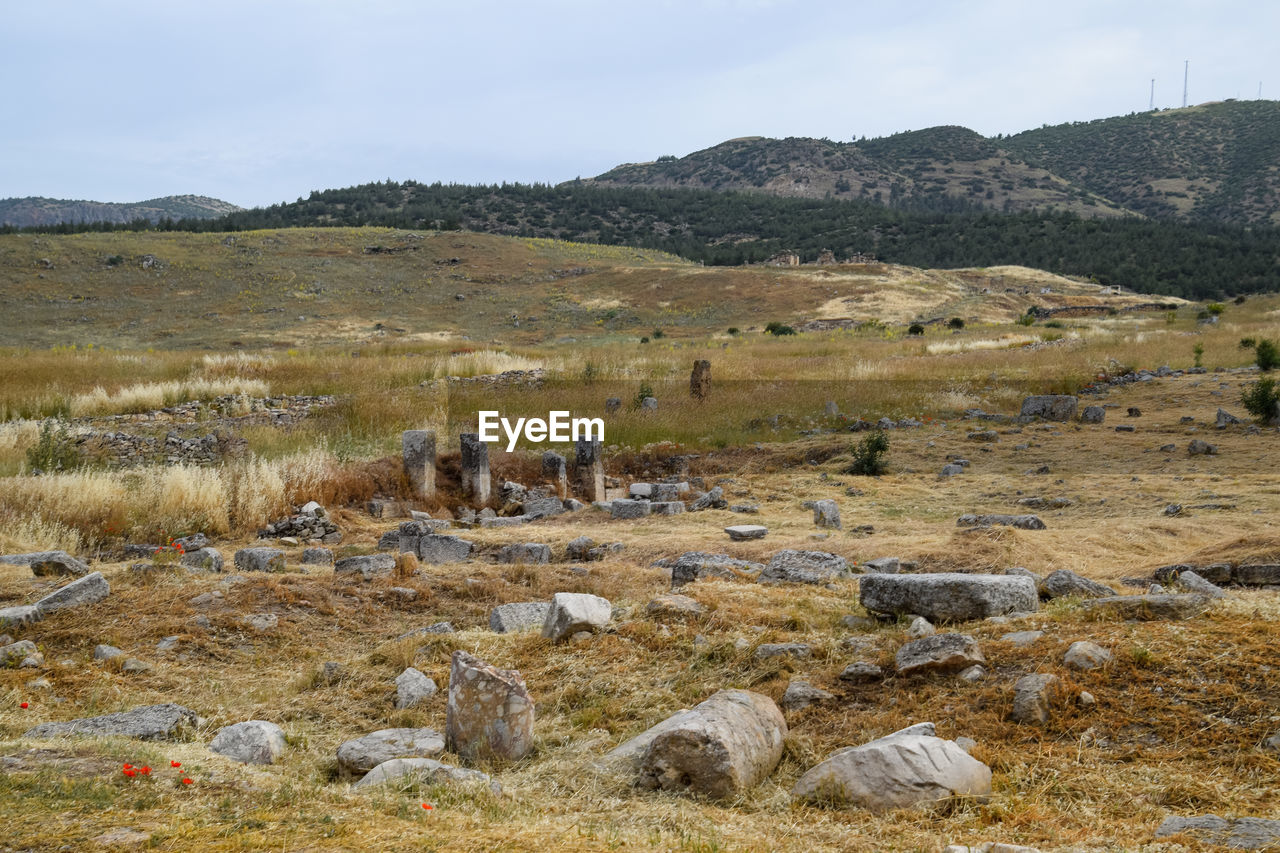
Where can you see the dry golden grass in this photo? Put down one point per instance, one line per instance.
(1181, 711)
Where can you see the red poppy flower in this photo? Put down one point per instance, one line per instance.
(186, 781)
(146, 771)
(23, 706)
(128, 767)
(131, 773)
(427, 806)
(175, 763)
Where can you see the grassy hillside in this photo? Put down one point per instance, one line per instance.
(1217, 161)
(36, 211)
(305, 287)
(942, 168)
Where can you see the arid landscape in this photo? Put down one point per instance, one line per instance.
(186, 391)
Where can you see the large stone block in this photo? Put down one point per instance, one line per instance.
(814, 567)
(419, 455)
(948, 596)
(490, 712)
(89, 589)
(251, 742)
(898, 771)
(1050, 407)
(940, 653)
(152, 722)
(572, 612)
(476, 481)
(259, 560)
(722, 748)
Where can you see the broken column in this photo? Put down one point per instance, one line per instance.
(419, 451)
(475, 468)
(554, 472)
(700, 379)
(489, 713)
(590, 468)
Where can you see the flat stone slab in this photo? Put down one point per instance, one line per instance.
(89, 589)
(948, 596)
(1242, 833)
(519, 616)
(48, 563)
(152, 722)
(692, 565)
(1022, 522)
(1065, 582)
(941, 653)
(368, 566)
(1149, 607)
(624, 508)
(746, 532)
(259, 560)
(428, 770)
(813, 567)
(358, 756)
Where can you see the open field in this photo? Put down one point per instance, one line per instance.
(1182, 712)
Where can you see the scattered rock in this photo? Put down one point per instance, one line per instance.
(527, 552)
(897, 771)
(14, 653)
(674, 605)
(1192, 582)
(746, 532)
(519, 616)
(103, 652)
(323, 556)
(368, 566)
(1150, 606)
(814, 567)
(429, 771)
(413, 687)
(801, 694)
(692, 565)
(861, 670)
(920, 627)
(940, 653)
(203, 560)
(435, 548)
(259, 560)
(1065, 582)
(1199, 447)
(1243, 833)
(252, 742)
(1022, 639)
(152, 722)
(1022, 522)
(1086, 655)
(1093, 415)
(625, 508)
(357, 757)
(1033, 697)
(46, 564)
(775, 650)
(1050, 407)
(89, 589)
(826, 513)
(571, 612)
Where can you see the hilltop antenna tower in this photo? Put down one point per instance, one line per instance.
(1186, 68)
(1152, 105)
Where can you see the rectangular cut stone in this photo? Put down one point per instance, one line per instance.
(476, 482)
(948, 596)
(419, 452)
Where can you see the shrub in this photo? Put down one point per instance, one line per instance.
(1026, 320)
(915, 329)
(1248, 343)
(1268, 355)
(54, 450)
(955, 323)
(1262, 399)
(658, 334)
(776, 328)
(1053, 324)
(115, 260)
(1215, 308)
(868, 455)
(645, 390)
(645, 339)
(1198, 352)
(733, 330)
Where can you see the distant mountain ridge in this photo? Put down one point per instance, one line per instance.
(37, 211)
(1218, 161)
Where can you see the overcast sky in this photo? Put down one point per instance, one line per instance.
(260, 101)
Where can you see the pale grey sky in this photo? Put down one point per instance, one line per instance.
(260, 101)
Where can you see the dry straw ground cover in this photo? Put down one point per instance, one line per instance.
(1182, 711)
